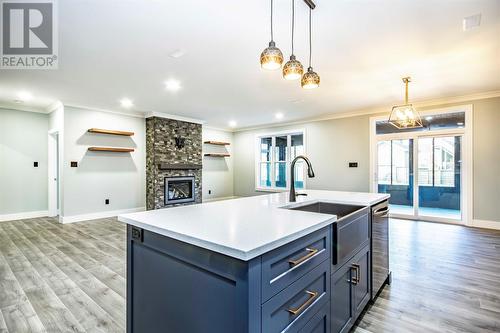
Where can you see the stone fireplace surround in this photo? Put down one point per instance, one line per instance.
(168, 157)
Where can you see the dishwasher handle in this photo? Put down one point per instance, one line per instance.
(381, 212)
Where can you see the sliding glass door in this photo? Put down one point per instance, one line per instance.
(440, 176)
(422, 168)
(395, 173)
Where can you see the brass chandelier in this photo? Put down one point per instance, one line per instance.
(405, 116)
(272, 57)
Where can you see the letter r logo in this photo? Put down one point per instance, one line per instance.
(27, 28)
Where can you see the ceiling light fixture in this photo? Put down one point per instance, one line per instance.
(293, 69)
(177, 53)
(405, 116)
(232, 123)
(172, 85)
(126, 103)
(271, 58)
(279, 115)
(24, 96)
(310, 79)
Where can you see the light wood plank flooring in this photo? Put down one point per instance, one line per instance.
(71, 278)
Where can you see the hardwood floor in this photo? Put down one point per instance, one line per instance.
(445, 278)
(71, 278)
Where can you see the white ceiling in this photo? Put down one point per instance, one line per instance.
(361, 48)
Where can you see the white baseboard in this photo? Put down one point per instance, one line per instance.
(100, 215)
(219, 199)
(24, 215)
(486, 224)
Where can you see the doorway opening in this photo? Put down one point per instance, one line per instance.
(427, 171)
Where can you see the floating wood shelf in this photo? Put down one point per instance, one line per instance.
(111, 149)
(217, 155)
(218, 143)
(179, 166)
(111, 132)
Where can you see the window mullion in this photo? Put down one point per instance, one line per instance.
(273, 160)
(288, 160)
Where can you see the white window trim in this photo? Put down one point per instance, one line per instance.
(257, 161)
(466, 204)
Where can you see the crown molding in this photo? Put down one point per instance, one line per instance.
(379, 110)
(174, 117)
(137, 114)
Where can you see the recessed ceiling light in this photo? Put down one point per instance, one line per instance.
(428, 118)
(24, 96)
(172, 85)
(177, 53)
(279, 115)
(232, 123)
(471, 22)
(126, 103)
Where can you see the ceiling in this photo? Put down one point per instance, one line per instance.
(109, 50)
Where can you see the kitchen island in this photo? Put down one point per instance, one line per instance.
(256, 264)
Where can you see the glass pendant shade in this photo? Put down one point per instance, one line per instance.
(405, 116)
(293, 69)
(271, 58)
(310, 79)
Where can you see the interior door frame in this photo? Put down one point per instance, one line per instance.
(54, 193)
(466, 200)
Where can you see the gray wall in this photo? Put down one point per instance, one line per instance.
(331, 144)
(487, 160)
(217, 171)
(119, 177)
(23, 140)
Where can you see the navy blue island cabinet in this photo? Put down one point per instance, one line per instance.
(173, 286)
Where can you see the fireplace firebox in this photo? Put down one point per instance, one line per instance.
(179, 190)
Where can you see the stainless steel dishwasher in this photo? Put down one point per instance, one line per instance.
(380, 247)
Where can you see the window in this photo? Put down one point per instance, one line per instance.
(394, 162)
(275, 153)
(436, 163)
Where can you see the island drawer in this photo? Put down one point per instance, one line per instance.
(283, 266)
(294, 307)
(320, 323)
(350, 234)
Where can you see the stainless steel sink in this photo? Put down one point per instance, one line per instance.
(340, 210)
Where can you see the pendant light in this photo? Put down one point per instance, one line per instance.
(271, 58)
(405, 116)
(293, 69)
(310, 79)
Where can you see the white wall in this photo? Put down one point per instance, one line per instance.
(23, 140)
(119, 177)
(217, 175)
(330, 145)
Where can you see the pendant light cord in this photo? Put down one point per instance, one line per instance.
(272, 20)
(293, 21)
(310, 37)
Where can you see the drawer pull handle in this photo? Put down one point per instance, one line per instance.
(357, 278)
(311, 253)
(312, 296)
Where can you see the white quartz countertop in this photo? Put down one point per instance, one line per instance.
(245, 228)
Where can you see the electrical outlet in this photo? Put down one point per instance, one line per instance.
(353, 164)
(74, 164)
(35, 164)
(106, 201)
